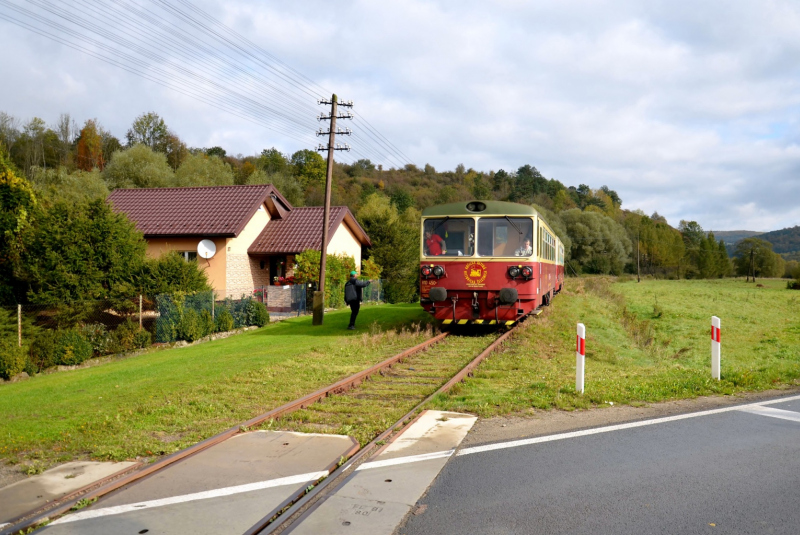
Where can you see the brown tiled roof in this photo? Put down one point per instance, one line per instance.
(301, 229)
(203, 211)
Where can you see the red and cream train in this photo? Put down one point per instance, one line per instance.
(487, 262)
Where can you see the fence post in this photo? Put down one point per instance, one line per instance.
(140, 311)
(580, 357)
(212, 305)
(19, 325)
(716, 348)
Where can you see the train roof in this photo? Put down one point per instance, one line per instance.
(493, 208)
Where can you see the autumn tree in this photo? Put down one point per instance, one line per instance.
(17, 208)
(90, 148)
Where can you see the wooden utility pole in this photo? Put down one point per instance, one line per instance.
(319, 295)
(638, 279)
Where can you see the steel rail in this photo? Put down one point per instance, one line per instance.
(111, 483)
(305, 503)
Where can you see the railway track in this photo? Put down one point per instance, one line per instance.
(390, 394)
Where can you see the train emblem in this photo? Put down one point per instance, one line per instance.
(475, 273)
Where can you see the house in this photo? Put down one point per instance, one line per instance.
(255, 230)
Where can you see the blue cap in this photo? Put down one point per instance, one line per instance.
(353, 273)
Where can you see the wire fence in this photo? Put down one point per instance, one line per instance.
(163, 316)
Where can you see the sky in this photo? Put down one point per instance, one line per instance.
(685, 108)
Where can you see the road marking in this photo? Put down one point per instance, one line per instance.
(216, 493)
(618, 427)
(406, 460)
(774, 413)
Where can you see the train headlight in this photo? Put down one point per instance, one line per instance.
(527, 272)
(438, 271)
(426, 271)
(513, 272)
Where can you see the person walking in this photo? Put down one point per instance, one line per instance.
(352, 297)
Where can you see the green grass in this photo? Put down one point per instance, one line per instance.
(165, 400)
(646, 342)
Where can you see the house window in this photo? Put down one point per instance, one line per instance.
(189, 256)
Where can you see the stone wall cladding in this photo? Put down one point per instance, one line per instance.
(244, 274)
(279, 298)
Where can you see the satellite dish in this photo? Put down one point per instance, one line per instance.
(206, 249)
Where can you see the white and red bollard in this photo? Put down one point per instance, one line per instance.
(715, 348)
(580, 355)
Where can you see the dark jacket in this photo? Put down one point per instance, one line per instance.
(352, 290)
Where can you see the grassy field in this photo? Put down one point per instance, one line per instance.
(646, 342)
(165, 400)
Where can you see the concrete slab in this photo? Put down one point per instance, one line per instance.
(224, 489)
(379, 494)
(242, 459)
(227, 514)
(36, 491)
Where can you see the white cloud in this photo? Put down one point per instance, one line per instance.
(689, 109)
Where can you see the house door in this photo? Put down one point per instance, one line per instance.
(277, 267)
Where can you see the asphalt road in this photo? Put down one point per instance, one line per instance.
(725, 472)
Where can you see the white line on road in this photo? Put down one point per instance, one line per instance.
(406, 460)
(774, 413)
(619, 427)
(216, 493)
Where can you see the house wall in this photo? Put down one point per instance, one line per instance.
(214, 267)
(345, 242)
(244, 273)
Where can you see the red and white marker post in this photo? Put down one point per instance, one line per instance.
(715, 348)
(580, 356)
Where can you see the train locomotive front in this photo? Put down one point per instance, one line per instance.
(487, 262)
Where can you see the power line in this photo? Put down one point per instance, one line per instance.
(173, 44)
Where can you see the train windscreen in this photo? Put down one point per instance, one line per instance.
(448, 236)
(505, 236)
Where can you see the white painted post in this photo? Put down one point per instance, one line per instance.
(715, 348)
(580, 354)
(140, 311)
(19, 325)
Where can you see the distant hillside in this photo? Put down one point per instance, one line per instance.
(784, 241)
(730, 237)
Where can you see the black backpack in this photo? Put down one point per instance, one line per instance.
(350, 294)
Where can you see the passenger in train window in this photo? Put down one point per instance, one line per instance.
(433, 243)
(525, 249)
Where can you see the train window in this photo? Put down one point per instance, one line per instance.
(505, 236)
(448, 236)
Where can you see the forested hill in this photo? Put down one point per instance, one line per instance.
(784, 241)
(730, 237)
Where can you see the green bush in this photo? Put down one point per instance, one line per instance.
(12, 358)
(142, 339)
(224, 321)
(257, 313)
(793, 285)
(71, 347)
(129, 336)
(189, 328)
(206, 323)
(43, 350)
(99, 337)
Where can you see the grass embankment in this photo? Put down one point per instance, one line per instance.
(163, 401)
(646, 342)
